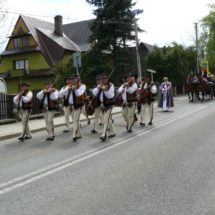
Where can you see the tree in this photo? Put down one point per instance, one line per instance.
(175, 62)
(4, 22)
(111, 30)
(207, 37)
(65, 68)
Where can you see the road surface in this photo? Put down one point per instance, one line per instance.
(164, 169)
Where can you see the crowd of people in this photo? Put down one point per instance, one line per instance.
(132, 95)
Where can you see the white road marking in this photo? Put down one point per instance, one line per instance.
(41, 173)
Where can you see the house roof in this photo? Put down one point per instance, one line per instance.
(20, 34)
(78, 32)
(20, 50)
(4, 75)
(53, 45)
(40, 72)
(148, 46)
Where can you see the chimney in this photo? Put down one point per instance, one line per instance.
(58, 22)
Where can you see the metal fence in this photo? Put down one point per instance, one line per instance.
(6, 106)
(36, 103)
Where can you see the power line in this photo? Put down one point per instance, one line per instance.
(30, 14)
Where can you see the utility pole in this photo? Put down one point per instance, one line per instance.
(197, 48)
(137, 50)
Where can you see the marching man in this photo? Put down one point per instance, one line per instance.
(128, 91)
(24, 102)
(48, 97)
(148, 101)
(75, 94)
(105, 101)
(66, 107)
(85, 100)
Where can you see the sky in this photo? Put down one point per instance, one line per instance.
(164, 21)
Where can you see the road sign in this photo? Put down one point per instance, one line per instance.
(77, 59)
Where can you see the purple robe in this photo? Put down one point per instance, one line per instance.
(169, 95)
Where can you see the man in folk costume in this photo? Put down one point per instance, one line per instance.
(49, 97)
(24, 102)
(68, 81)
(129, 97)
(165, 100)
(149, 88)
(83, 111)
(75, 101)
(105, 101)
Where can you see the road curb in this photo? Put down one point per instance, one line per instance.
(9, 136)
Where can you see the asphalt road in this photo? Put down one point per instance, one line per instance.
(164, 169)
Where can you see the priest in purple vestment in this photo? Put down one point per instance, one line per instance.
(165, 100)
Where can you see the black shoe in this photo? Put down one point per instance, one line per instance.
(143, 124)
(130, 130)
(100, 124)
(94, 131)
(65, 130)
(111, 135)
(74, 139)
(50, 138)
(150, 123)
(27, 138)
(21, 138)
(103, 138)
(135, 117)
(88, 122)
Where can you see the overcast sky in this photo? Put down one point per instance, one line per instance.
(164, 21)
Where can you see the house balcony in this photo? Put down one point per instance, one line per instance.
(20, 72)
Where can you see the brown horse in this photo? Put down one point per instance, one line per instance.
(204, 86)
(191, 84)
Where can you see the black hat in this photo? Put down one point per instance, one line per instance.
(98, 77)
(73, 76)
(128, 75)
(49, 82)
(66, 78)
(25, 84)
(146, 76)
(103, 75)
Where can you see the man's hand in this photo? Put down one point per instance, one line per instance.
(104, 88)
(73, 87)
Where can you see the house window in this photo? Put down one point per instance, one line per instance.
(25, 41)
(16, 43)
(21, 64)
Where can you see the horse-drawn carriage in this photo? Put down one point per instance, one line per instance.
(200, 85)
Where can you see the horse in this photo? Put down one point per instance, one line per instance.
(204, 86)
(191, 84)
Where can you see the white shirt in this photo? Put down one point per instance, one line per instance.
(53, 96)
(60, 93)
(78, 92)
(129, 90)
(109, 93)
(24, 99)
(153, 88)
